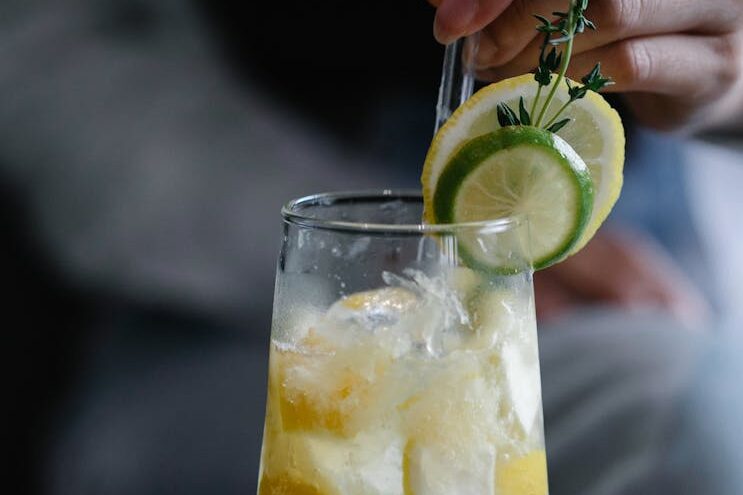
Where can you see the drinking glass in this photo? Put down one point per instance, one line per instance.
(403, 356)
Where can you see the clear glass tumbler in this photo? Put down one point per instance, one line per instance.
(403, 356)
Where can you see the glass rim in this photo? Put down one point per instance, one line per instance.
(292, 214)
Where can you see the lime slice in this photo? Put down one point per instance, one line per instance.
(595, 133)
(516, 171)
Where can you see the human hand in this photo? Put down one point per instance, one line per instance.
(679, 63)
(620, 270)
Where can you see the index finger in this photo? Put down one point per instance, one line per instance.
(458, 18)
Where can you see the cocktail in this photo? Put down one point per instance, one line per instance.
(404, 352)
(395, 368)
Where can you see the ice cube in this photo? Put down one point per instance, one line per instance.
(321, 386)
(369, 464)
(435, 470)
(441, 314)
(496, 317)
(457, 405)
(507, 324)
(377, 318)
(463, 280)
(373, 309)
(521, 368)
(436, 292)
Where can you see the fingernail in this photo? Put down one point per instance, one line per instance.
(453, 17)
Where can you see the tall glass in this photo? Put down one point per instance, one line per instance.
(403, 356)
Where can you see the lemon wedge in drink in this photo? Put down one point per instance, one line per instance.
(525, 475)
(565, 184)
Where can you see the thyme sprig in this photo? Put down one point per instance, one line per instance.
(560, 31)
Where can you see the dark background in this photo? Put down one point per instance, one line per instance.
(339, 62)
(350, 68)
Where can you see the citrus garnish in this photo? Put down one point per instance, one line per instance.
(571, 110)
(595, 133)
(517, 171)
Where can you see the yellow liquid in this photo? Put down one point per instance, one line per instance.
(371, 415)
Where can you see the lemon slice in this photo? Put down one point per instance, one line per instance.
(595, 133)
(523, 476)
(517, 170)
(284, 485)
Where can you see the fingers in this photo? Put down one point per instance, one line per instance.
(695, 67)
(672, 81)
(512, 31)
(680, 61)
(453, 17)
(512, 35)
(458, 18)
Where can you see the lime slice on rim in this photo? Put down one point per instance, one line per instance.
(510, 172)
(595, 133)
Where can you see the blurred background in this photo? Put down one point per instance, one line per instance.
(146, 147)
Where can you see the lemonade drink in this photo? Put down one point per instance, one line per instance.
(404, 357)
(427, 384)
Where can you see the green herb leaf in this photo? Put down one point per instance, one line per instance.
(547, 27)
(543, 77)
(553, 60)
(548, 64)
(556, 32)
(595, 81)
(576, 92)
(506, 116)
(523, 113)
(562, 39)
(558, 125)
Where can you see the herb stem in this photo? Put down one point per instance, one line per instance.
(563, 66)
(536, 100)
(562, 109)
(559, 32)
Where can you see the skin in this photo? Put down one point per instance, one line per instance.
(678, 63)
